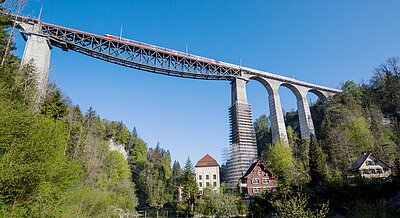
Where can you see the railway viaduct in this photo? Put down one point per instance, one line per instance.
(40, 37)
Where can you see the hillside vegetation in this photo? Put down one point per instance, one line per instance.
(363, 118)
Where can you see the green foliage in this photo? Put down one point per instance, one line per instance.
(263, 133)
(363, 209)
(117, 167)
(359, 134)
(220, 204)
(262, 203)
(279, 156)
(32, 166)
(296, 206)
(138, 154)
(54, 106)
(190, 188)
(318, 164)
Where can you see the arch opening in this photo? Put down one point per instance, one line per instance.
(258, 92)
(316, 101)
(289, 97)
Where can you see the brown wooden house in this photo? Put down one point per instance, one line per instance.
(257, 179)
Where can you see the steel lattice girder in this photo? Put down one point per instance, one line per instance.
(136, 56)
(148, 57)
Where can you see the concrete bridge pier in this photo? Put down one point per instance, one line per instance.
(243, 144)
(278, 127)
(303, 110)
(37, 51)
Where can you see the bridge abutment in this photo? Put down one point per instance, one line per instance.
(37, 52)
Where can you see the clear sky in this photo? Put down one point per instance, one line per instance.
(323, 42)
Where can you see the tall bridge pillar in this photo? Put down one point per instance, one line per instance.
(243, 148)
(37, 51)
(278, 127)
(303, 110)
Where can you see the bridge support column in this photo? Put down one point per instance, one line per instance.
(37, 51)
(243, 148)
(305, 119)
(278, 127)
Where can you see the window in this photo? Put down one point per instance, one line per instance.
(200, 177)
(256, 181)
(365, 172)
(372, 171)
(256, 190)
(207, 177)
(379, 171)
(370, 163)
(265, 181)
(200, 192)
(207, 184)
(214, 184)
(214, 177)
(200, 184)
(259, 172)
(375, 162)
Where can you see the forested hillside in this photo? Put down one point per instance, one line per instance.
(55, 160)
(363, 118)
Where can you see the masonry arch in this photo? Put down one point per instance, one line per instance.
(264, 82)
(258, 92)
(278, 128)
(291, 96)
(315, 98)
(321, 96)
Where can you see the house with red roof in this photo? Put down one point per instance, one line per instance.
(207, 174)
(257, 179)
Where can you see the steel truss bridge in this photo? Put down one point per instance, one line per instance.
(40, 36)
(144, 56)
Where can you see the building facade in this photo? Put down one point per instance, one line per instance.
(207, 175)
(257, 179)
(369, 166)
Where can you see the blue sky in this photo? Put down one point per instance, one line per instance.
(323, 42)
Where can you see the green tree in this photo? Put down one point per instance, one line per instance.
(138, 154)
(33, 168)
(296, 206)
(189, 187)
(318, 164)
(54, 106)
(280, 158)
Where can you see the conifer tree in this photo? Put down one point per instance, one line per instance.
(317, 162)
(189, 186)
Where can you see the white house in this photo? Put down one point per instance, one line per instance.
(371, 167)
(207, 174)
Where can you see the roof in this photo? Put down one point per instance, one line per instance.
(207, 161)
(253, 165)
(360, 160)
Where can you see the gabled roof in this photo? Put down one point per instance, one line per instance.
(360, 160)
(253, 165)
(207, 161)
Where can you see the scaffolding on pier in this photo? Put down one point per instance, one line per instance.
(243, 145)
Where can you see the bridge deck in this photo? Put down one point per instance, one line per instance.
(147, 57)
